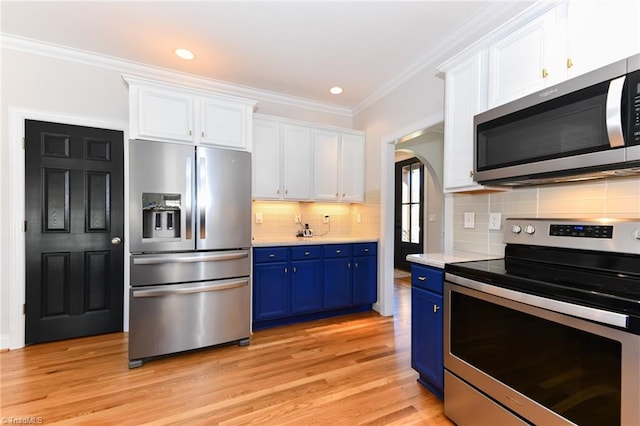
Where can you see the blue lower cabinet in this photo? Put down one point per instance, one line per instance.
(306, 286)
(271, 295)
(427, 327)
(337, 282)
(302, 283)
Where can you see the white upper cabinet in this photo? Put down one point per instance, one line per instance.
(351, 170)
(464, 98)
(601, 32)
(527, 59)
(298, 161)
(325, 165)
(571, 39)
(267, 159)
(165, 112)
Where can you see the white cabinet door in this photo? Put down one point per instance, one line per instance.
(298, 165)
(325, 165)
(266, 160)
(528, 59)
(601, 32)
(352, 151)
(463, 101)
(223, 123)
(164, 115)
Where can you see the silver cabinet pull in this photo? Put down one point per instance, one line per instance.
(436, 308)
(422, 278)
(306, 253)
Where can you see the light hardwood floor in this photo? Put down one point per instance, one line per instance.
(345, 371)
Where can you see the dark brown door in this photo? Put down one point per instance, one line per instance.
(409, 208)
(74, 204)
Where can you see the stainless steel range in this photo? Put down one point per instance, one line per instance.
(551, 333)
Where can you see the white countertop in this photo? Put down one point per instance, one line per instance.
(438, 260)
(298, 241)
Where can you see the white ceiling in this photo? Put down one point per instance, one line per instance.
(299, 49)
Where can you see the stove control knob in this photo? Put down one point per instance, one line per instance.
(516, 229)
(530, 229)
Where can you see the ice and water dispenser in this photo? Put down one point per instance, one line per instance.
(160, 215)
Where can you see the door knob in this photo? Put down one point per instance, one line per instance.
(116, 241)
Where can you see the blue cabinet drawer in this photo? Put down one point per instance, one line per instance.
(337, 250)
(427, 278)
(365, 249)
(309, 252)
(270, 254)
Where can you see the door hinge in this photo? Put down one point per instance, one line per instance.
(23, 143)
(24, 226)
(24, 309)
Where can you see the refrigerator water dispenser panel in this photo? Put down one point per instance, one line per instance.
(160, 215)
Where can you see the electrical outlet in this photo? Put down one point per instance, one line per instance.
(432, 217)
(494, 221)
(469, 220)
(258, 217)
(297, 218)
(325, 218)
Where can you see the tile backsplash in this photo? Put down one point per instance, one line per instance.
(614, 198)
(278, 219)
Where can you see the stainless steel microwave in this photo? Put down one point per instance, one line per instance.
(584, 128)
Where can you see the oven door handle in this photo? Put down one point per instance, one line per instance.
(167, 290)
(585, 312)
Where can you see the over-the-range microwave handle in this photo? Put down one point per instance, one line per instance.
(172, 258)
(188, 196)
(614, 112)
(203, 193)
(168, 290)
(585, 312)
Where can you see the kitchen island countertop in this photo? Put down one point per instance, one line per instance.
(438, 260)
(300, 241)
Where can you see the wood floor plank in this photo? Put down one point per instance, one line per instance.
(351, 370)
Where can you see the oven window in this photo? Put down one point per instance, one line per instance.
(571, 372)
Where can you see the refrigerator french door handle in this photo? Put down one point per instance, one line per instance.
(188, 197)
(168, 291)
(169, 258)
(203, 196)
(614, 112)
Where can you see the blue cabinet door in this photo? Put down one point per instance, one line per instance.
(426, 336)
(271, 290)
(337, 282)
(365, 280)
(306, 286)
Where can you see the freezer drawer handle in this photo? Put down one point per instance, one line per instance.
(189, 290)
(155, 260)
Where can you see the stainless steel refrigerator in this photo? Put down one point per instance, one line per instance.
(190, 243)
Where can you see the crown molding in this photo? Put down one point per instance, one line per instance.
(459, 39)
(36, 47)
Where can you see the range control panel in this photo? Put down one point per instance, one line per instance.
(589, 231)
(606, 234)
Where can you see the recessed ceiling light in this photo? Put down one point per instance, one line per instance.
(185, 54)
(336, 90)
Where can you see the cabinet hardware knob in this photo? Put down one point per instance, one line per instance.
(435, 308)
(356, 264)
(349, 265)
(278, 191)
(569, 62)
(272, 255)
(422, 278)
(545, 73)
(306, 253)
(338, 251)
(286, 191)
(189, 132)
(366, 250)
(286, 270)
(203, 134)
(294, 269)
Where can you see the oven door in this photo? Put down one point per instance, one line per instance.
(546, 366)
